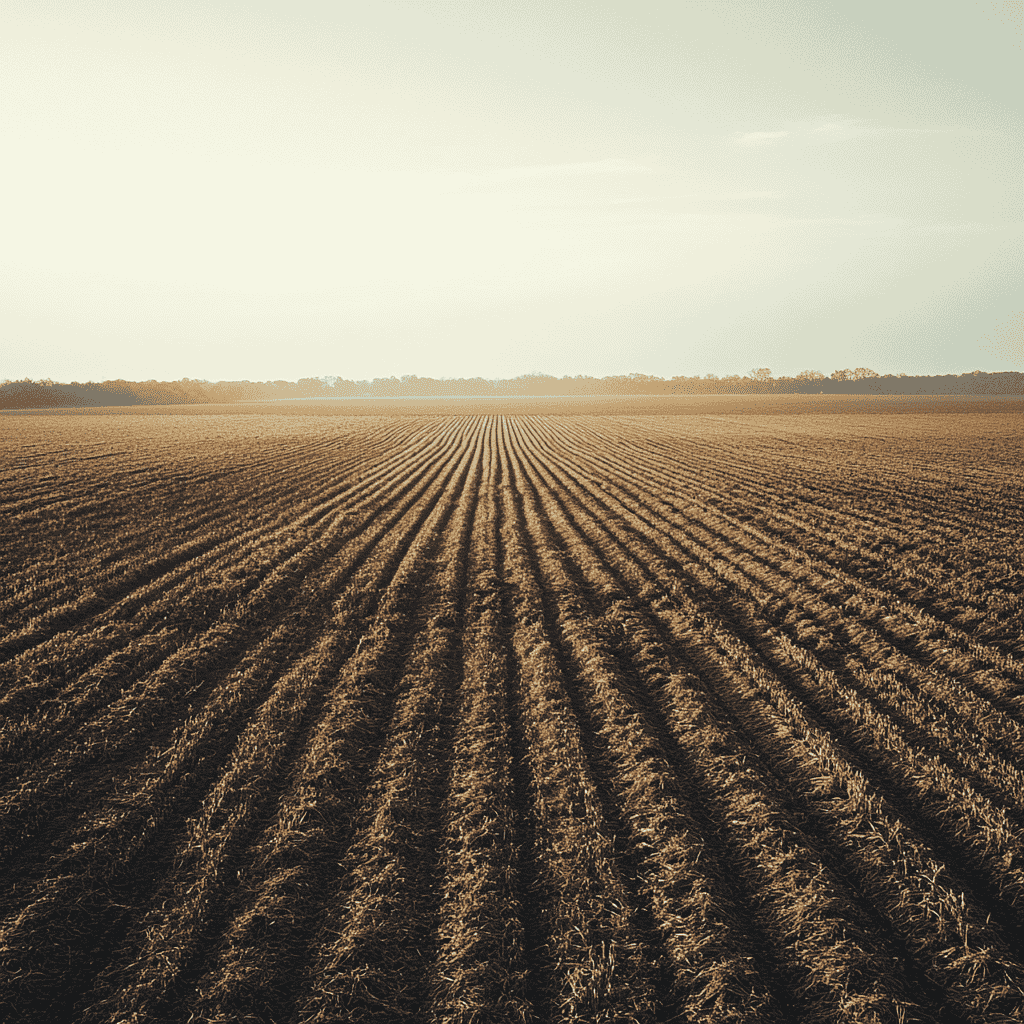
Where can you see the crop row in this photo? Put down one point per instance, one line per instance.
(513, 718)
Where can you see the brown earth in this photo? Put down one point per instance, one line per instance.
(452, 714)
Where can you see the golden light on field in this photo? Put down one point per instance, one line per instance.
(497, 715)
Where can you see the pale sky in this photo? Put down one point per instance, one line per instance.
(271, 190)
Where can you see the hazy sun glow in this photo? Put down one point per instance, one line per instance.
(264, 190)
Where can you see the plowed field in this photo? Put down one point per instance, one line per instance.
(512, 718)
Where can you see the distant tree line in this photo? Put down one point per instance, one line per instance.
(34, 394)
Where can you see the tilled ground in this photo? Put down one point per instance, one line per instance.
(512, 718)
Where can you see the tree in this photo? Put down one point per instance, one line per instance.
(861, 373)
(810, 375)
(761, 374)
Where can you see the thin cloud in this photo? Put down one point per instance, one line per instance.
(484, 179)
(844, 130)
(703, 197)
(840, 130)
(573, 170)
(731, 196)
(758, 138)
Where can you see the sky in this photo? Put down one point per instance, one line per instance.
(276, 189)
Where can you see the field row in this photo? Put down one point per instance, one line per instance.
(513, 718)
